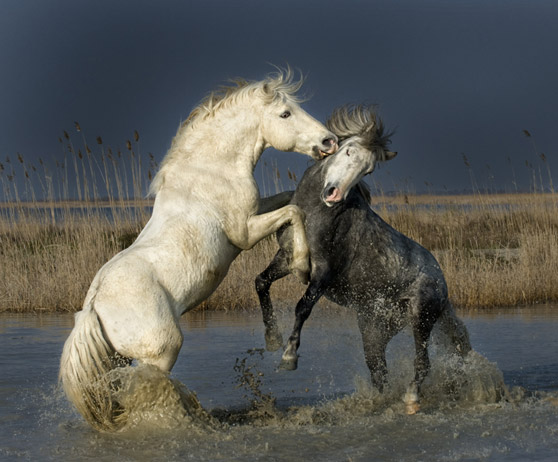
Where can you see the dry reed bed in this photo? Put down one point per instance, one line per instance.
(495, 250)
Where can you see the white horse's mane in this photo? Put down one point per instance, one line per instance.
(277, 86)
(280, 85)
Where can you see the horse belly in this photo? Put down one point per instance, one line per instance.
(204, 268)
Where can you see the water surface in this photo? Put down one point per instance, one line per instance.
(325, 410)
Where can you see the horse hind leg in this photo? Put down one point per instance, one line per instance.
(277, 269)
(375, 338)
(422, 329)
(455, 331)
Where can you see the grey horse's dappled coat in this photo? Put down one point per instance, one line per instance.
(360, 261)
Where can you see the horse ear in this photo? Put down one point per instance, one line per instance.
(390, 155)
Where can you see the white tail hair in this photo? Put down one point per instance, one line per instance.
(86, 360)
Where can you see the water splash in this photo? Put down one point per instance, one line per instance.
(262, 408)
(454, 382)
(153, 401)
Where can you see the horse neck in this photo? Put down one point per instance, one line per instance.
(308, 191)
(224, 142)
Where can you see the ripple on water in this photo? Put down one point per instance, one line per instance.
(467, 411)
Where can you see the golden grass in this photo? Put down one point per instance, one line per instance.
(495, 249)
(49, 267)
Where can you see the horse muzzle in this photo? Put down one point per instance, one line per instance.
(329, 147)
(331, 194)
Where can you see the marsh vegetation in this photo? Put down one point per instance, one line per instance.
(60, 224)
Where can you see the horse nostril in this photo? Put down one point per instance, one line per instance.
(328, 142)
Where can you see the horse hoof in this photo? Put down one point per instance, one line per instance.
(288, 364)
(410, 399)
(412, 408)
(273, 341)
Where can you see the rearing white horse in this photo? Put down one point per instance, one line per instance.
(205, 213)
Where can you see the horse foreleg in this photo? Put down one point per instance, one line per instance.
(315, 290)
(260, 226)
(277, 269)
(271, 203)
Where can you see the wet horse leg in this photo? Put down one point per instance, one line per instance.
(277, 269)
(271, 203)
(375, 338)
(454, 329)
(260, 226)
(422, 327)
(304, 307)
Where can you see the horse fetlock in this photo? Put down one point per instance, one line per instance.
(289, 361)
(273, 340)
(379, 380)
(463, 348)
(288, 364)
(295, 212)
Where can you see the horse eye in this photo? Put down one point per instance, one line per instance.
(347, 152)
(286, 114)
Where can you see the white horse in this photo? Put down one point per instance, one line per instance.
(205, 213)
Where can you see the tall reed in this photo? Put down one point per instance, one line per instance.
(495, 249)
(60, 223)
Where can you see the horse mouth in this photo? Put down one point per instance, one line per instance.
(318, 154)
(332, 195)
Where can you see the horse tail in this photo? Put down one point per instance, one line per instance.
(455, 329)
(86, 360)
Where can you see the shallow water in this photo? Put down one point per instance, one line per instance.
(325, 410)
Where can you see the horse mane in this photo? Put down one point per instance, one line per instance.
(360, 121)
(280, 85)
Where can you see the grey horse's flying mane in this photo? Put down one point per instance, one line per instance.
(362, 121)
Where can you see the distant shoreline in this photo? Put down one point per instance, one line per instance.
(398, 198)
(101, 203)
(496, 250)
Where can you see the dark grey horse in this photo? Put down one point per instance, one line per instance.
(359, 261)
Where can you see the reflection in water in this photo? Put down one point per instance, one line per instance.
(325, 410)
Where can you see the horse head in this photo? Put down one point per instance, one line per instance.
(286, 126)
(363, 143)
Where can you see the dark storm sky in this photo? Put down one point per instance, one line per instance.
(452, 77)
